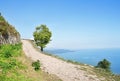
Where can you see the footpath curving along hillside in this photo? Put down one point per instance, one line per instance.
(64, 70)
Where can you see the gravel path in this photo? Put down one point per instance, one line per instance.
(65, 71)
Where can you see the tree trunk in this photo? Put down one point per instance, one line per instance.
(41, 48)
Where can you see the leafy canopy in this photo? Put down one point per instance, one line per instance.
(42, 36)
(105, 64)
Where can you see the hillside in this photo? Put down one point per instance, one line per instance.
(67, 70)
(14, 65)
(8, 34)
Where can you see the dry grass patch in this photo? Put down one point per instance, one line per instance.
(35, 75)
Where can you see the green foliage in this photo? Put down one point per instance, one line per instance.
(14, 77)
(42, 36)
(1, 18)
(5, 27)
(17, 46)
(8, 51)
(36, 65)
(9, 65)
(105, 64)
(7, 54)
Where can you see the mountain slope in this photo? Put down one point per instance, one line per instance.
(8, 34)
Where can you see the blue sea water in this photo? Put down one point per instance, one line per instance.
(92, 57)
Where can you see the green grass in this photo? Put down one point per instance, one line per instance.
(9, 65)
(15, 66)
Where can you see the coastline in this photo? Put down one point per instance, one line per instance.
(92, 57)
(60, 67)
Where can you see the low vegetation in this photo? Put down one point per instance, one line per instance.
(5, 27)
(36, 65)
(9, 65)
(15, 66)
(104, 64)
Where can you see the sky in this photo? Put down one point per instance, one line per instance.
(75, 24)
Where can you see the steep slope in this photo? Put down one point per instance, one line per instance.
(8, 34)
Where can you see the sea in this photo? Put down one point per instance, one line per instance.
(91, 56)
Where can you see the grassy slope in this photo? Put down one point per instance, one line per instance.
(100, 73)
(15, 66)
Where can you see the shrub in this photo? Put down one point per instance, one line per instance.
(105, 64)
(36, 65)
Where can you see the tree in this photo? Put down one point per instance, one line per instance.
(105, 64)
(42, 36)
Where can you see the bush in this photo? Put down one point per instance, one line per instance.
(105, 64)
(36, 65)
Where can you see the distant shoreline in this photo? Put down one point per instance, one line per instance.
(61, 55)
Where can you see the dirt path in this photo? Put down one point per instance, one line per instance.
(65, 71)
